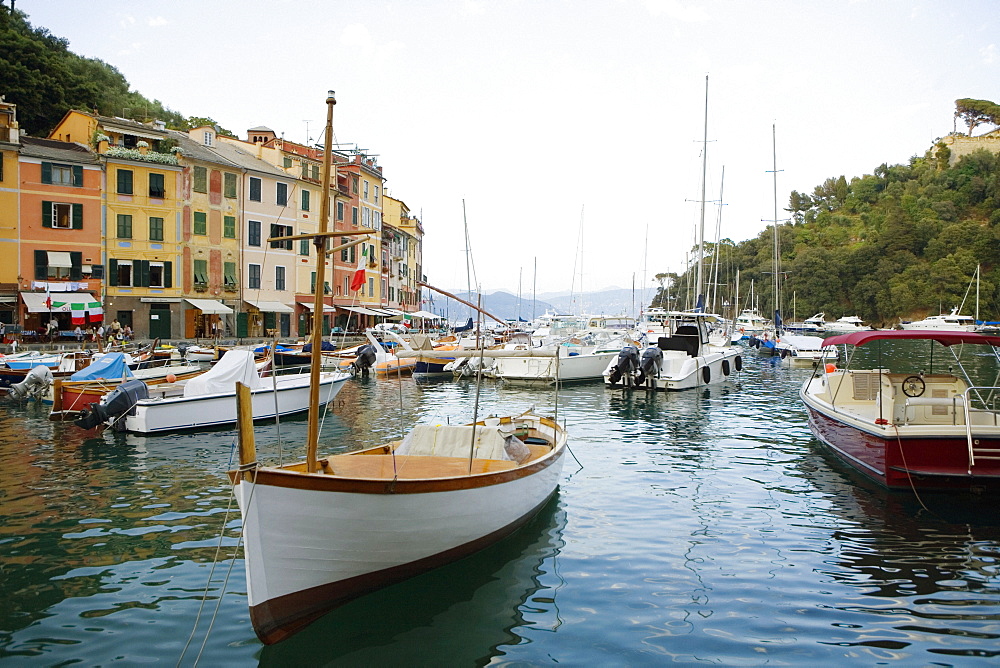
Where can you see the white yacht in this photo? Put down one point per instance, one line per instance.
(953, 322)
(848, 323)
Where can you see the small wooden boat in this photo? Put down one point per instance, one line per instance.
(918, 426)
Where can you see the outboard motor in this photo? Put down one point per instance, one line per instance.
(652, 362)
(628, 363)
(182, 349)
(365, 359)
(34, 384)
(120, 402)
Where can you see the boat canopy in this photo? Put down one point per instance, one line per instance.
(945, 338)
(236, 366)
(110, 366)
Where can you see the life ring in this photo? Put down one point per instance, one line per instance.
(738, 363)
(725, 367)
(706, 374)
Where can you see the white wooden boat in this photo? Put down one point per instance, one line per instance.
(565, 362)
(805, 351)
(207, 400)
(367, 519)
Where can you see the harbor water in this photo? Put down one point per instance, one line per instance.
(700, 527)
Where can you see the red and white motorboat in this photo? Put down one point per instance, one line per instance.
(932, 426)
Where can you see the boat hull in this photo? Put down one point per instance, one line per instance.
(682, 372)
(589, 366)
(315, 542)
(889, 456)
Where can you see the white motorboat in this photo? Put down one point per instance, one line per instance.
(953, 322)
(686, 359)
(750, 323)
(847, 324)
(571, 362)
(206, 400)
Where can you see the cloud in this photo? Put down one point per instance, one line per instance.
(157, 21)
(127, 21)
(356, 35)
(676, 10)
(991, 54)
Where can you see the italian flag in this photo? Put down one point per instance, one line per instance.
(358, 280)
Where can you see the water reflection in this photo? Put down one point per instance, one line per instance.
(460, 615)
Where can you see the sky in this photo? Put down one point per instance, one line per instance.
(566, 134)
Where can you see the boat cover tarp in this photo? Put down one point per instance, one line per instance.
(945, 338)
(454, 441)
(109, 366)
(325, 345)
(804, 342)
(236, 366)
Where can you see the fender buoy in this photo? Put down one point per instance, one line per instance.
(706, 374)
(725, 367)
(738, 363)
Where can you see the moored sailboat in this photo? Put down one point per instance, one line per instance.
(320, 532)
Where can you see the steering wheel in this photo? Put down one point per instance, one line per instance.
(913, 386)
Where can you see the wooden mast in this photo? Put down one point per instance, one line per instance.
(312, 438)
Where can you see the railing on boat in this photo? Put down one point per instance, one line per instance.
(994, 394)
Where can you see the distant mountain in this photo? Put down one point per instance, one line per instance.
(615, 301)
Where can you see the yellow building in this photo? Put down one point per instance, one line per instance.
(141, 221)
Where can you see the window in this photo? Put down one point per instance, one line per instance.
(124, 181)
(253, 276)
(354, 216)
(200, 179)
(303, 247)
(366, 216)
(229, 275)
(207, 138)
(340, 210)
(354, 184)
(281, 231)
(229, 185)
(62, 216)
(376, 219)
(376, 194)
(62, 175)
(200, 223)
(347, 255)
(229, 227)
(371, 287)
(254, 189)
(366, 190)
(156, 187)
(279, 278)
(287, 162)
(155, 229)
(125, 273)
(282, 194)
(253, 233)
(156, 274)
(391, 291)
(315, 172)
(201, 273)
(124, 226)
(305, 200)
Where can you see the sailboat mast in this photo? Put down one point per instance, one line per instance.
(468, 253)
(777, 254)
(701, 224)
(312, 435)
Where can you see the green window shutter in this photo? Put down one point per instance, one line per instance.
(78, 176)
(77, 216)
(46, 172)
(125, 181)
(303, 247)
(229, 227)
(168, 274)
(46, 214)
(41, 265)
(76, 271)
(112, 272)
(229, 274)
(312, 283)
(142, 273)
(200, 179)
(305, 200)
(200, 223)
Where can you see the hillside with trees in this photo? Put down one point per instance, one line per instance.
(899, 243)
(45, 79)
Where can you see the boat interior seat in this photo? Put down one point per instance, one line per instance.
(685, 343)
(406, 467)
(483, 442)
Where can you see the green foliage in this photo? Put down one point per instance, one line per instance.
(45, 79)
(977, 112)
(899, 243)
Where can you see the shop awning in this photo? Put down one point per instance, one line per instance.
(424, 315)
(326, 307)
(366, 311)
(62, 302)
(270, 307)
(209, 306)
(60, 259)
